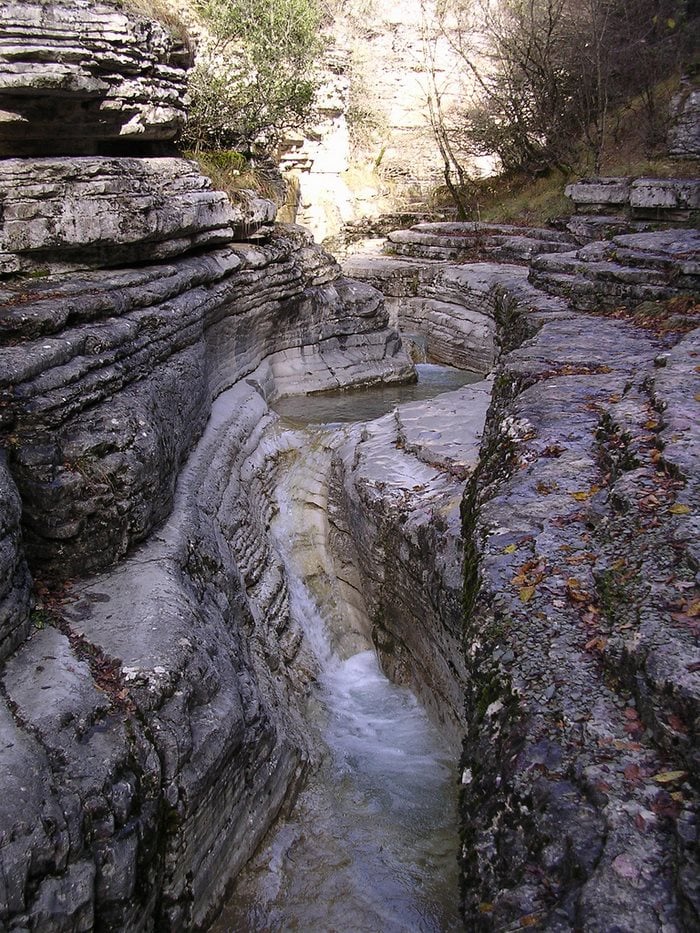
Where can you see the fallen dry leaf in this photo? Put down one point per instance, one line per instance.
(669, 777)
(679, 509)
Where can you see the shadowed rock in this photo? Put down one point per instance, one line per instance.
(75, 74)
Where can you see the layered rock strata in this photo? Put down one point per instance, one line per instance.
(397, 486)
(78, 74)
(684, 132)
(579, 802)
(625, 271)
(150, 721)
(436, 303)
(463, 242)
(193, 630)
(605, 206)
(60, 215)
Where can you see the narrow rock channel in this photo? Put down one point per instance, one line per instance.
(370, 843)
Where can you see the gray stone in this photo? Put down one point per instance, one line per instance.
(666, 197)
(65, 214)
(98, 446)
(684, 131)
(398, 488)
(461, 241)
(15, 582)
(565, 588)
(597, 195)
(625, 271)
(74, 74)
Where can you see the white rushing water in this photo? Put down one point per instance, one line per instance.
(371, 844)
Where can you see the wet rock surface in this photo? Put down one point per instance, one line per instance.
(95, 445)
(397, 491)
(150, 710)
(579, 800)
(151, 692)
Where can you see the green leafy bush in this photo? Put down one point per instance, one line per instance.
(256, 75)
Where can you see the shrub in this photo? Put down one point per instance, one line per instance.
(255, 76)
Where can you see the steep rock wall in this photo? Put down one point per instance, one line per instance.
(396, 489)
(579, 802)
(437, 302)
(74, 75)
(149, 705)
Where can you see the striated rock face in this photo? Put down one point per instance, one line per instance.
(150, 726)
(60, 215)
(190, 674)
(75, 74)
(579, 807)
(607, 206)
(627, 270)
(434, 302)
(684, 132)
(463, 242)
(396, 489)
(14, 575)
(96, 446)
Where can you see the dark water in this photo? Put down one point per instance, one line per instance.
(367, 404)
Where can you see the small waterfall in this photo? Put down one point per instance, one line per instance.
(371, 842)
(285, 533)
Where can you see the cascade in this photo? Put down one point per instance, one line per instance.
(371, 840)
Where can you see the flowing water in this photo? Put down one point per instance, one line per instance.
(371, 844)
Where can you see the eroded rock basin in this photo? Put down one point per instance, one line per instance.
(365, 404)
(370, 842)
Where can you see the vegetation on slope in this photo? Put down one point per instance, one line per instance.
(560, 88)
(255, 75)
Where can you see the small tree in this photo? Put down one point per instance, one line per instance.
(254, 78)
(548, 74)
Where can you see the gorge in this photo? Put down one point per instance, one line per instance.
(189, 575)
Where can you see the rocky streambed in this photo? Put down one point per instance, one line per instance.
(522, 553)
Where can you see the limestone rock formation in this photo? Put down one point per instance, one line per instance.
(150, 702)
(79, 213)
(684, 132)
(15, 585)
(627, 270)
(579, 804)
(579, 801)
(399, 484)
(607, 206)
(75, 74)
(459, 241)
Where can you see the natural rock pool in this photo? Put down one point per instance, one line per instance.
(371, 841)
(367, 404)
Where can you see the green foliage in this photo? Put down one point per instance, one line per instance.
(256, 79)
